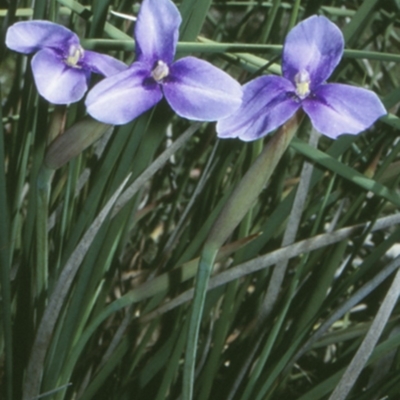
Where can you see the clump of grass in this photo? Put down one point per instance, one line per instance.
(98, 253)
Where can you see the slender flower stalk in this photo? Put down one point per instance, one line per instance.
(311, 52)
(43, 184)
(61, 67)
(237, 206)
(194, 88)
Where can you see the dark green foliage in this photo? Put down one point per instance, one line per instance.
(120, 327)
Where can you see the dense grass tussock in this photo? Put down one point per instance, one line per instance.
(102, 227)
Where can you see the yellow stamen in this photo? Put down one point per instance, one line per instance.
(74, 55)
(302, 80)
(160, 71)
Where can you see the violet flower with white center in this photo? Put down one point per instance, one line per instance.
(311, 52)
(61, 67)
(194, 88)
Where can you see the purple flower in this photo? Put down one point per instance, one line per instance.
(61, 68)
(311, 52)
(194, 88)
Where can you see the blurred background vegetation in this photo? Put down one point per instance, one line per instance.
(95, 299)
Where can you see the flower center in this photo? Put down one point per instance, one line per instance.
(75, 53)
(160, 71)
(302, 80)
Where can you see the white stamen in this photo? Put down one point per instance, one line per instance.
(160, 71)
(302, 80)
(75, 53)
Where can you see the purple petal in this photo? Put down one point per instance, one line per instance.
(30, 36)
(268, 102)
(315, 46)
(197, 90)
(123, 97)
(156, 31)
(56, 81)
(102, 63)
(335, 109)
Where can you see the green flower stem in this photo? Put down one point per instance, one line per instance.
(43, 192)
(43, 183)
(208, 46)
(5, 266)
(242, 199)
(203, 276)
(294, 14)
